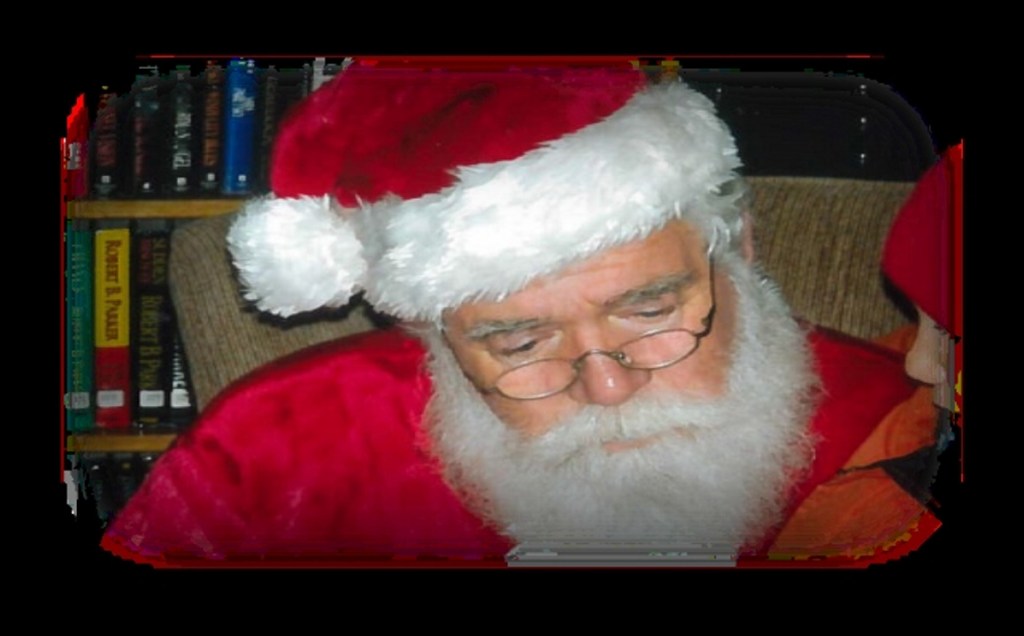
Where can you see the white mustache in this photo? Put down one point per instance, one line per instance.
(723, 476)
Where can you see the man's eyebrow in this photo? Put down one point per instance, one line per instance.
(487, 328)
(655, 289)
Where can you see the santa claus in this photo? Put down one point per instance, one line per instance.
(589, 355)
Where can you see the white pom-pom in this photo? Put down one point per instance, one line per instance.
(296, 255)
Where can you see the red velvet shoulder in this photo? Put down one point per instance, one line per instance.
(317, 454)
(371, 358)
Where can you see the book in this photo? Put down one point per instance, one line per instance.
(212, 123)
(126, 477)
(289, 91)
(318, 78)
(79, 326)
(183, 409)
(105, 148)
(324, 71)
(77, 150)
(239, 128)
(147, 140)
(267, 116)
(180, 106)
(152, 330)
(112, 294)
(98, 484)
(307, 79)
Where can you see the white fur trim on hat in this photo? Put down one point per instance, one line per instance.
(296, 255)
(663, 155)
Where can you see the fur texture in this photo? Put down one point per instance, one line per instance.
(664, 154)
(296, 255)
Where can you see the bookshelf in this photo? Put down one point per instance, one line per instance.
(137, 440)
(173, 148)
(152, 208)
(112, 441)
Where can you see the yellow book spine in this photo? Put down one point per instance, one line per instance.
(112, 287)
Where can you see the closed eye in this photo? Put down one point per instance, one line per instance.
(523, 348)
(523, 344)
(655, 313)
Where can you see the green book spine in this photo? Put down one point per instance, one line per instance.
(79, 324)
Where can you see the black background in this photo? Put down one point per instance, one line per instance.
(935, 80)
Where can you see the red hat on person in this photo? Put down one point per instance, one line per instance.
(917, 256)
(429, 188)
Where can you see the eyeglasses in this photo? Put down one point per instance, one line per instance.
(654, 350)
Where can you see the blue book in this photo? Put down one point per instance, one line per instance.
(239, 128)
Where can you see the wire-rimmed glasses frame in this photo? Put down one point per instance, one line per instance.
(619, 355)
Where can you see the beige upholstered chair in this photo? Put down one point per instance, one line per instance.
(821, 240)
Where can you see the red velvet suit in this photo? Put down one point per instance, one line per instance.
(323, 455)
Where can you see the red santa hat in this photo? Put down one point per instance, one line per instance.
(918, 251)
(428, 189)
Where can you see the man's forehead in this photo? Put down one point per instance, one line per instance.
(670, 256)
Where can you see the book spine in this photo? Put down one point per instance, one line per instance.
(182, 140)
(268, 128)
(289, 92)
(152, 325)
(111, 325)
(104, 149)
(183, 409)
(79, 325)
(210, 139)
(127, 477)
(239, 130)
(183, 399)
(318, 78)
(78, 150)
(146, 137)
(307, 80)
(99, 484)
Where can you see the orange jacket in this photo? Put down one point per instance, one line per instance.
(862, 511)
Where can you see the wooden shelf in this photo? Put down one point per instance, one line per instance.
(152, 208)
(115, 442)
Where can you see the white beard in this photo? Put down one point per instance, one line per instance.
(724, 481)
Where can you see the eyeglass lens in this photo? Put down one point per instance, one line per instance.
(547, 377)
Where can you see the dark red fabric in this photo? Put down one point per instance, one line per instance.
(320, 454)
(918, 252)
(323, 455)
(371, 131)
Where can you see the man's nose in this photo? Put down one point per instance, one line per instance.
(603, 381)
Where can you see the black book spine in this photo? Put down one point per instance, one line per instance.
(181, 107)
(153, 323)
(289, 92)
(126, 478)
(212, 130)
(307, 80)
(99, 484)
(183, 409)
(146, 141)
(183, 400)
(104, 148)
(267, 119)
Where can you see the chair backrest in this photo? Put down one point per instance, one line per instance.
(820, 239)
(224, 336)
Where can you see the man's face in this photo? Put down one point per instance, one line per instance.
(659, 282)
(703, 450)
